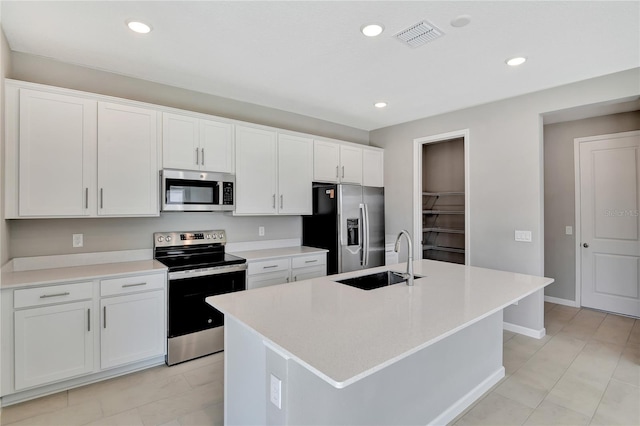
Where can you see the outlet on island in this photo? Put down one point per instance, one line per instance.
(261, 231)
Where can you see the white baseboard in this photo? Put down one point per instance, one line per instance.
(536, 334)
(460, 405)
(558, 301)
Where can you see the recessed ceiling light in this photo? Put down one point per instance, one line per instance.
(514, 62)
(138, 27)
(380, 104)
(460, 21)
(372, 30)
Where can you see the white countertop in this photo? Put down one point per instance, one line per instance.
(343, 334)
(23, 279)
(252, 255)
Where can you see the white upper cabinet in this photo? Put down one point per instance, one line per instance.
(127, 160)
(180, 142)
(326, 161)
(273, 173)
(347, 163)
(350, 164)
(191, 143)
(372, 167)
(57, 149)
(256, 171)
(295, 175)
(79, 157)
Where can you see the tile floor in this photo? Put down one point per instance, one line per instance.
(585, 371)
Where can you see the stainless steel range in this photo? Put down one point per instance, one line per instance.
(198, 268)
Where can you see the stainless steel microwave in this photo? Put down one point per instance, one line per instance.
(191, 191)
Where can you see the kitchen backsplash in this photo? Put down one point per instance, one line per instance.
(43, 237)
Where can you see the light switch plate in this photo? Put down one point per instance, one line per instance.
(568, 230)
(524, 236)
(261, 231)
(276, 391)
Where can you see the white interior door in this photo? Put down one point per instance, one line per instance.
(609, 222)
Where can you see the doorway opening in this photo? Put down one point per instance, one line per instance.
(441, 197)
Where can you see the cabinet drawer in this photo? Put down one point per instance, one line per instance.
(52, 294)
(132, 284)
(310, 260)
(265, 266)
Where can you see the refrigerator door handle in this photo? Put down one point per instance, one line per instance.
(366, 235)
(363, 234)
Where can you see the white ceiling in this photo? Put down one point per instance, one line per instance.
(310, 57)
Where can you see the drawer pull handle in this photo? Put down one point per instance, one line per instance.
(311, 261)
(44, 296)
(133, 285)
(270, 266)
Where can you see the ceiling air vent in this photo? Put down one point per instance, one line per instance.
(419, 34)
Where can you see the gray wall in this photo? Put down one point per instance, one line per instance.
(559, 193)
(53, 236)
(506, 172)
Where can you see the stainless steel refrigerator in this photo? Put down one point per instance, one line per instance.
(347, 220)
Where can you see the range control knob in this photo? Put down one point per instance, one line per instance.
(208, 236)
(160, 239)
(168, 239)
(220, 235)
(215, 236)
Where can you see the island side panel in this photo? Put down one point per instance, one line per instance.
(431, 386)
(245, 398)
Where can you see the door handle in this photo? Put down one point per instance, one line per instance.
(104, 315)
(342, 172)
(337, 172)
(281, 200)
(86, 198)
(274, 201)
(88, 319)
(101, 197)
(197, 156)
(202, 159)
(585, 245)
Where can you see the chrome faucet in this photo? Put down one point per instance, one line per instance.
(409, 274)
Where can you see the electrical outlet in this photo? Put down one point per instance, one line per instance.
(276, 391)
(78, 240)
(568, 230)
(261, 231)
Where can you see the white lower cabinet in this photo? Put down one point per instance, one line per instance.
(132, 328)
(53, 343)
(280, 270)
(57, 336)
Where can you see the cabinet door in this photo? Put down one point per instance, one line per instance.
(295, 175)
(53, 343)
(372, 168)
(57, 155)
(350, 164)
(301, 274)
(326, 161)
(255, 171)
(265, 280)
(127, 161)
(180, 142)
(216, 146)
(133, 328)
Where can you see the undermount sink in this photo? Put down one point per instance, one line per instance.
(377, 280)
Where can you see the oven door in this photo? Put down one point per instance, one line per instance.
(188, 310)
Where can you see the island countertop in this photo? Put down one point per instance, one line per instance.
(343, 334)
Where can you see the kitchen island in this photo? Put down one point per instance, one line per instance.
(321, 352)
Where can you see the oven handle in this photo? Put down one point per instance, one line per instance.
(207, 271)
